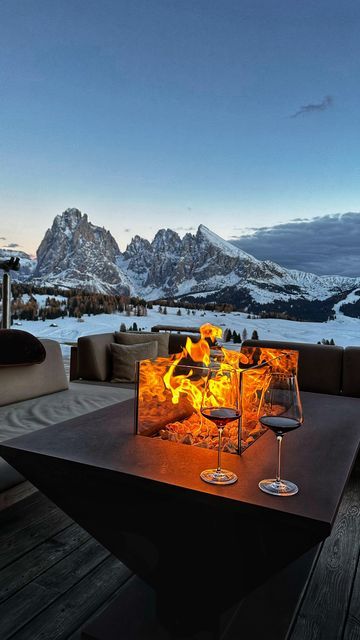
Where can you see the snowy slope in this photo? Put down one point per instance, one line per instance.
(345, 331)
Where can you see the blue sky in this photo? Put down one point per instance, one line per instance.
(153, 113)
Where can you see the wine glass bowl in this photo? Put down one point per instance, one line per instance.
(221, 405)
(280, 410)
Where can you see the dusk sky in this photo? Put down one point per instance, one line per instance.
(236, 114)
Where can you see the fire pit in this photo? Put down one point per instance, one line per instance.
(170, 390)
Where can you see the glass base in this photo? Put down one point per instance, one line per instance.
(281, 488)
(213, 476)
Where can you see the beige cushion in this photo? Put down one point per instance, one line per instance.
(125, 357)
(129, 337)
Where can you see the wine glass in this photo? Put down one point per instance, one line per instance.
(221, 405)
(280, 410)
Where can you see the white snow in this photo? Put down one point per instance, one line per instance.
(41, 298)
(344, 330)
(224, 245)
(352, 297)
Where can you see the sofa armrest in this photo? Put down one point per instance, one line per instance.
(23, 383)
(351, 372)
(74, 362)
(94, 356)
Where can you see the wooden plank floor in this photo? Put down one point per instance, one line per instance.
(54, 577)
(331, 607)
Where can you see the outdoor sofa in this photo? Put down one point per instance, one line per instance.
(39, 395)
(36, 396)
(92, 358)
(322, 368)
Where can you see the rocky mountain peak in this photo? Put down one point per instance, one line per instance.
(166, 240)
(68, 220)
(76, 251)
(137, 246)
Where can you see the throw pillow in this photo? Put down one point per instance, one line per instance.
(20, 348)
(124, 358)
(129, 337)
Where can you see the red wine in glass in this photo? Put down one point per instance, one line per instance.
(280, 411)
(221, 404)
(221, 416)
(280, 425)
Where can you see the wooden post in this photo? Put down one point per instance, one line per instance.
(12, 264)
(6, 297)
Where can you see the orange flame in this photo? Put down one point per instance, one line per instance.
(210, 331)
(170, 391)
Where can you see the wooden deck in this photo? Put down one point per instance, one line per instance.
(54, 577)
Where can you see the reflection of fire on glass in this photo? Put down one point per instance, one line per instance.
(170, 391)
(221, 416)
(221, 405)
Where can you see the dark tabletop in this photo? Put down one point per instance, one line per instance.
(318, 457)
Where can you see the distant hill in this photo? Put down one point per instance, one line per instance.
(27, 263)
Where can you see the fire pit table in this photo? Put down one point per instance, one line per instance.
(211, 561)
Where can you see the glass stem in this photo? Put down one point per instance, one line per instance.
(278, 472)
(219, 449)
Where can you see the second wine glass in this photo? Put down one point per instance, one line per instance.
(280, 410)
(221, 405)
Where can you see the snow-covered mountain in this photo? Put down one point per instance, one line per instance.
(204, 264)
(76, 253)
(27, 264)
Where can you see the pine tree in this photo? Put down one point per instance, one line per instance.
(123, 327)
(244, 334)
(254, 335)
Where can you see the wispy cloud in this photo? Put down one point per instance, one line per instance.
(2, 238)
(326, 103)
(127, 230)
(13, 245)
(184, 228)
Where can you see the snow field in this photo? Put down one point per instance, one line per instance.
(344, 330)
